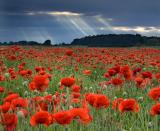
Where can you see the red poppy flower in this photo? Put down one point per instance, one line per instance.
(23, 72)
(87, 72)
(1, 89)
(43, 106)
(12, 57)
(117, 68)
(128, 105)
(111, 72)
(11, 97)
(136, 70)
(2, 78)
(116, 103)
(68, 81)
(29, 72)
(147, 74)
(106, 75)
(76, 88)
(9, 121)
(75, 100)
(155, 110)
(81, 113)
(5, 107)
(157, 76)
(19, 102)
(48, 98)
(50, 69)
(63, 117)
(139, 81)
(97, 100)
(117, 81)
(154, 93)
(128, 75)
(40, 83)
(41, 117)
(76, 95)
(42, 72)
(125, 70)
(37, 69)
(69, 52)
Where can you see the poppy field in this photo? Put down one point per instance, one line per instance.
(79, 89)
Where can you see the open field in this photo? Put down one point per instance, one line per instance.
(79, 89)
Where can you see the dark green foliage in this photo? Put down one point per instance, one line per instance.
(115, 40)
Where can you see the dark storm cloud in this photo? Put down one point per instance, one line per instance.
(130, 12)
(77, 17)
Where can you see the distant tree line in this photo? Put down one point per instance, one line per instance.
(110, 40)
(117, 40)
(31, 43)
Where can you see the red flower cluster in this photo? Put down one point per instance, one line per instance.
(155, 110)
(40, 83)
(107, 68)
(68, 81)
(128, 105)
(61, 117)
(124, 105)
(42, 117)
(12, 103)
(69, 52)
(125, 70)
(97, 100)
(117, 81)
(154, 93)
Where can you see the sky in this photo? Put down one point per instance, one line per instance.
(65, 20)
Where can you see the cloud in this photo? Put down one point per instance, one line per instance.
(143, 30)
(138, 29)
(33, 13)
(52, 13)
(63, 13)
(124, 12)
